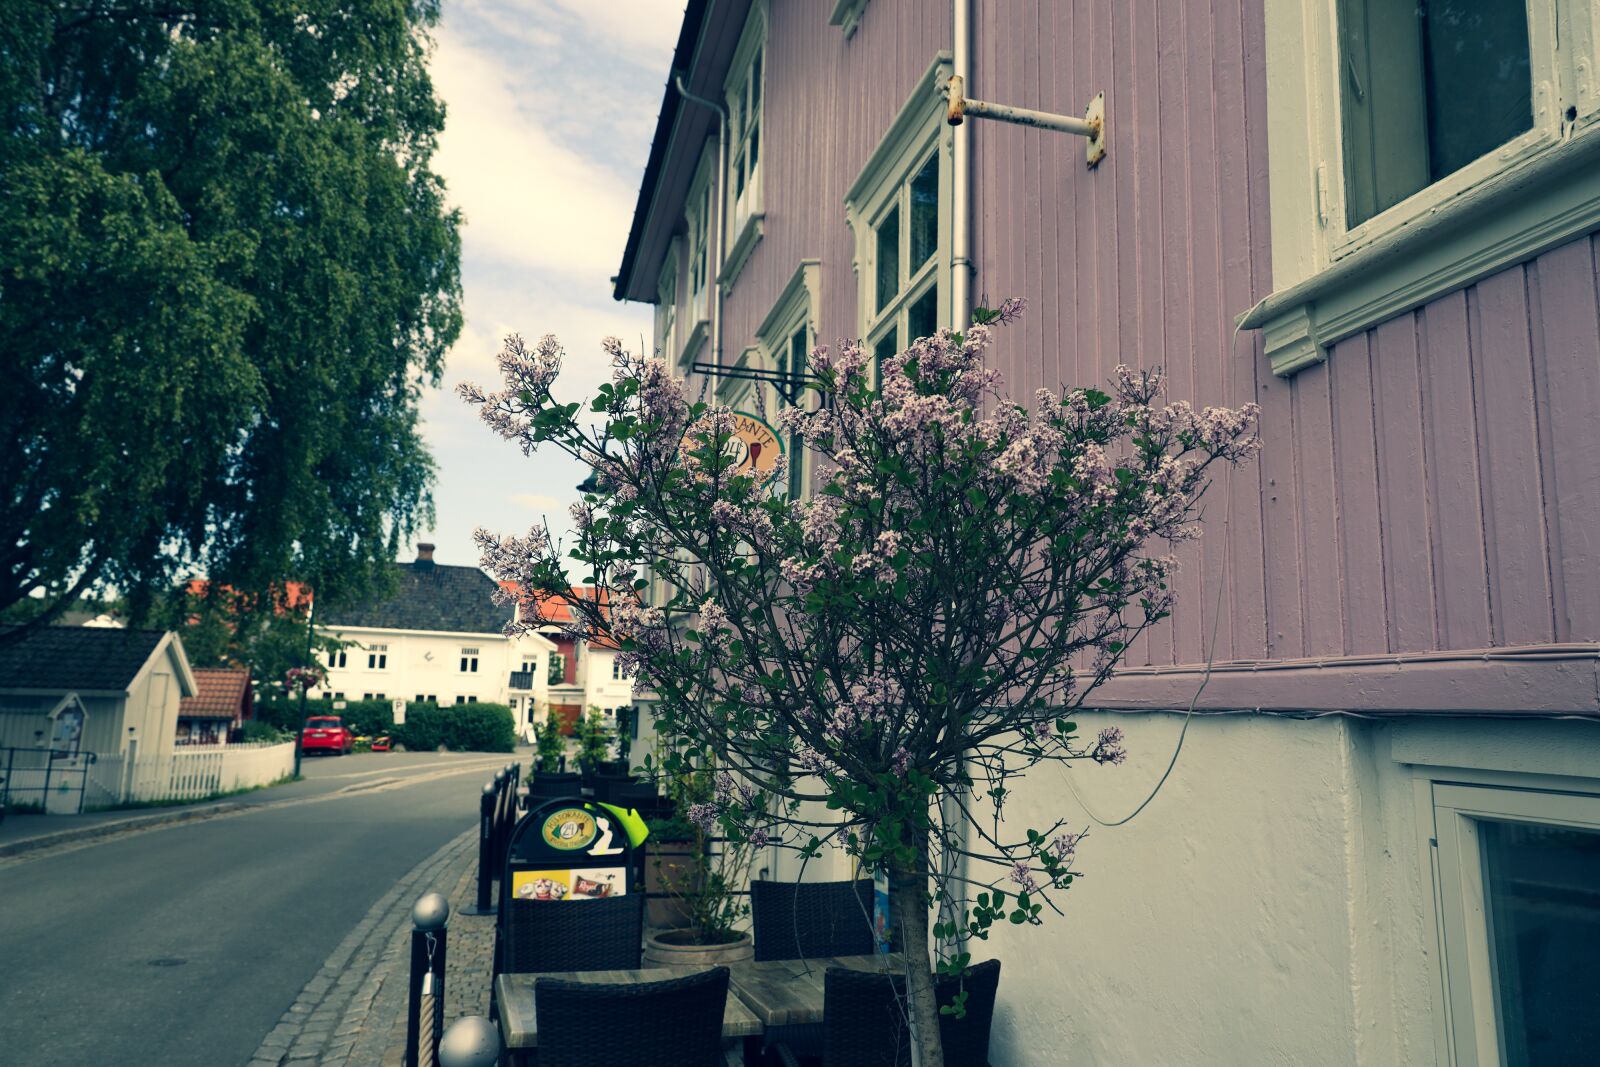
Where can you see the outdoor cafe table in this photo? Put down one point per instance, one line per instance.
(772, 993)
(519, 1021)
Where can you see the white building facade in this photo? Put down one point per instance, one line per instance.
(439, 638)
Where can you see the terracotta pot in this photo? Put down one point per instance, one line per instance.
(674, 948)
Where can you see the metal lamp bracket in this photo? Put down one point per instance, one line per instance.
(1092, 126)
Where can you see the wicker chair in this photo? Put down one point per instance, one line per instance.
(811, 920)
(574, 935)
(675, 1023)
(864, 1023)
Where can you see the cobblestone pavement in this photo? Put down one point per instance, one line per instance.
(349, 1014)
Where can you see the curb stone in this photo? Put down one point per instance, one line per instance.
(327, 1022)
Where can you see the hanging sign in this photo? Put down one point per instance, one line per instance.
(755, 446)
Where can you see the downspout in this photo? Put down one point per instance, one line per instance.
(714, 267)
(961, 316)
(961, 177)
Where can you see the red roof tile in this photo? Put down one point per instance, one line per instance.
(219, 693)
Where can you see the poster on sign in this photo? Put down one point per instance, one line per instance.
(597, 883)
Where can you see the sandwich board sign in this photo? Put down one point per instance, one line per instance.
(571, 849)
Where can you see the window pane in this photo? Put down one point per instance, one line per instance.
(1426, 89)
(755, 83)
(753, 156)
(1543, 885)
(924, 213)
(881, 351)
(797, 352)
(923, 320)
(888, 276)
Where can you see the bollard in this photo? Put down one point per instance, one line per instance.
(485, 903)
(471, 1041)
(430, 918)
(502, 781)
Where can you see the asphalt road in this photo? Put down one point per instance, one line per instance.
(182, 946)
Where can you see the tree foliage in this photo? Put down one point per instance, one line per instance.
(874, 667)
(226, 273)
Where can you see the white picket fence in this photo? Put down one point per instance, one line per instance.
(188, 773)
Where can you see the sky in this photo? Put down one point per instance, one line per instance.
(550, 105)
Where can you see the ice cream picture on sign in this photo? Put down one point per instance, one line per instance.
(755, 446)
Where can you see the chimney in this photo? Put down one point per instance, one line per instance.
(424, 556)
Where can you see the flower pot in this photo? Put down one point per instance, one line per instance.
(676, 948)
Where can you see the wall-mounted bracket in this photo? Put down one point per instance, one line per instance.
(1092, 126)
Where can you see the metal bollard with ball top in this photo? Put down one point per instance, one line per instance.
(471, 1041)
(430, 918)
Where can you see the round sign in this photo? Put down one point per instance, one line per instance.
(569, 829)
(755, 446)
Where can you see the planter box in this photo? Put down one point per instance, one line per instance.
(666, 949)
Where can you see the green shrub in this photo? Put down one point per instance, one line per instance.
(255, 730)
(459, 728)
(366, 718)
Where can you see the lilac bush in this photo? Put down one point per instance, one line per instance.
(873, 661)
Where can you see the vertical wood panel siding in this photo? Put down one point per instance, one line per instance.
(1432, 486)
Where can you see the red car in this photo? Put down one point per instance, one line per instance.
(380, 744)
(326, 733)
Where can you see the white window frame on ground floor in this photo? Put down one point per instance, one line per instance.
(1450, 803)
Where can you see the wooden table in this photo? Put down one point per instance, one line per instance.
(519, 1020)
(790, 992)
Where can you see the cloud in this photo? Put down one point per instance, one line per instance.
(538, 502)
(530, 201)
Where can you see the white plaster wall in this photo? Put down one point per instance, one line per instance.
(1266, 908)
(600, 689)
(425, 663)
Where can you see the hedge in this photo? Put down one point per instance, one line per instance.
(458, 727)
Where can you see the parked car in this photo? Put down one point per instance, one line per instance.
(380, 744)
(326, 733)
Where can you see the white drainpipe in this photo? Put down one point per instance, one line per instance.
(714, 267)
(961, 179)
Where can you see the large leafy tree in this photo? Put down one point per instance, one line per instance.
(226, 273)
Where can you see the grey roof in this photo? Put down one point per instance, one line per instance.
(76, 657)
(430, 596)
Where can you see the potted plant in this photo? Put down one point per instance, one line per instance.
(594, 744)
(705, 877)
(874, 663)
(549, 746)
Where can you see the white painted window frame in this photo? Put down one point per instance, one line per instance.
(916, 132)
(666, 324)
(1538, 191)
(797, 308)
(1450, 803)
(701, 277)
(745, 214)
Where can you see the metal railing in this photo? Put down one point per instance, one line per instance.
(43, 779)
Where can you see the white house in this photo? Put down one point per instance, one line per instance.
(583, 674)
(439, 638)
(71, 695)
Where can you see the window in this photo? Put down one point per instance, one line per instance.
(616, 669)
(338, 658)
(461, 700)
(898, 210)
(377, 657)
(338, 696)
(1519, 900)
(469, 661)
(699, 217)
(528, 666)
(511, 702)
(326, 695)
(787, 337)
(1376, 137)
(558, 668)
(472, 700)
(743, 186)
(666, 328)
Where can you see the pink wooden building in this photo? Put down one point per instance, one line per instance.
(1380, 843)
